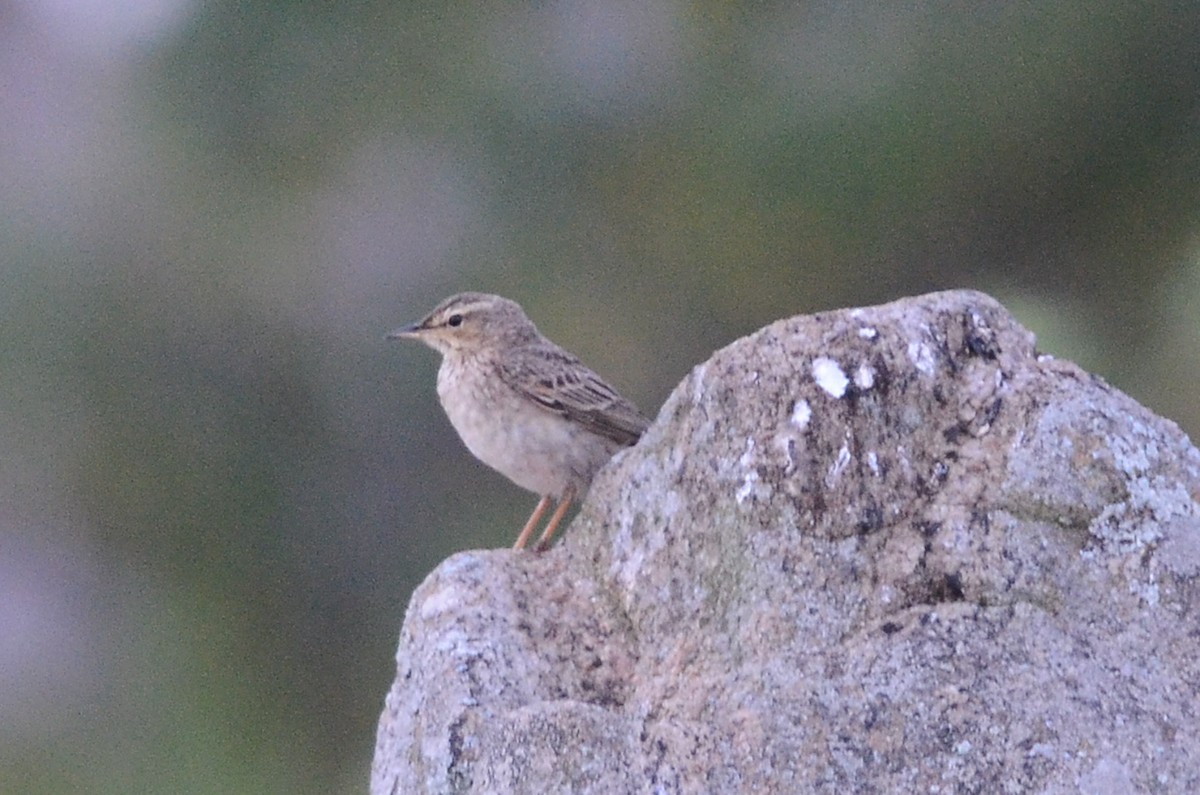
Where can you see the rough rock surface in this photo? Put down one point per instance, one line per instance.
(876, 550)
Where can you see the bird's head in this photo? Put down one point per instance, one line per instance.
(470, 323)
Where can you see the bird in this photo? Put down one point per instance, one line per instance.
(521, 404)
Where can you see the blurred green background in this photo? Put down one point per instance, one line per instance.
(220, 484)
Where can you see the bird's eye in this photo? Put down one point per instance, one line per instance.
(454, 321)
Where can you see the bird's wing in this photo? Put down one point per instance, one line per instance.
(560, 383)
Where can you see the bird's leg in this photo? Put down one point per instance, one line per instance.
(544, 542)
(534, 518)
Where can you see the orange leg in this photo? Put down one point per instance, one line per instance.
(534, 518)
(544, 542)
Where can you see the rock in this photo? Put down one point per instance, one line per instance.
(876, 550)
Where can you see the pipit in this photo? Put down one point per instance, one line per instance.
(521, 404)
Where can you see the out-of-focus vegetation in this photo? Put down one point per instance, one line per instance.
(220, 484)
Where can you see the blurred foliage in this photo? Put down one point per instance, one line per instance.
(222, 484)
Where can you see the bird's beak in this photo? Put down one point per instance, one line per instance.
(404, 331)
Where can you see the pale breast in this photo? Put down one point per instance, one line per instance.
(535, 448)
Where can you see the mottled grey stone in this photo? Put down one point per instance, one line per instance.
(875, 550)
